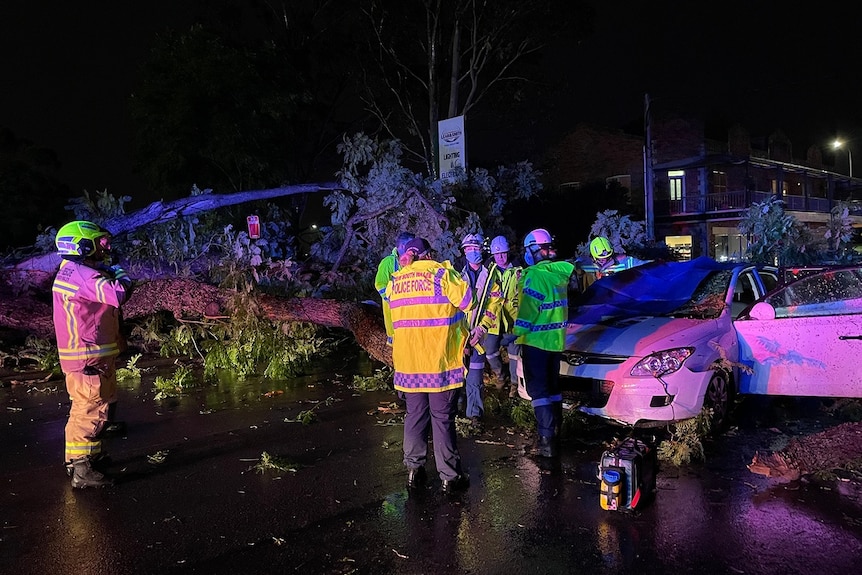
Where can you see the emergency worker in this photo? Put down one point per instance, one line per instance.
(387, 266)
(483, 319)
(428, 301)
(541, 330)
(87, 295)
(509, 276)
(603, 261)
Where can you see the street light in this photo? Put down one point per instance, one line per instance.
(838, 144)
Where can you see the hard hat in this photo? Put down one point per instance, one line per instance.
(499, 245)
(473, 240)
(538, 237)
(601, 247)
(79, 238)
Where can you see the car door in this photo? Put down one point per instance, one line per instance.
(805, 339)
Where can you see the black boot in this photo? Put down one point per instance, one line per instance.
(546, 447)
(83, 475)
(460, 483)
(100, 461)
(415, 477)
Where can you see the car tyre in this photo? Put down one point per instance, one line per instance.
(719, 397)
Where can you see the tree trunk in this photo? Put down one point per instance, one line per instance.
(39, 270)
(188, 299)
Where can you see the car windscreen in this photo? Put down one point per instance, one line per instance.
(708, 301)
(652, 289)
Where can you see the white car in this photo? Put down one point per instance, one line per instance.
(805, 339)
(655, 344)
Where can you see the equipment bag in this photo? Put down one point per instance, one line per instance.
(627, 475)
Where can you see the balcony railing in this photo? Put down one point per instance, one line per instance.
(735, 202)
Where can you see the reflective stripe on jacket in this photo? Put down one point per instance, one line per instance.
(86, 315)
(429, 301)
(544, 305)
(509, 287)
(489, 298)
(385, 269)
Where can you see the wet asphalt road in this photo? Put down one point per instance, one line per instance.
(345, 509)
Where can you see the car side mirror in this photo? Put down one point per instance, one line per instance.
(762, 310)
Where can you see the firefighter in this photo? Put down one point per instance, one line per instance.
(541, 330)
(87, 295)
(387, 266)
(604, 261)
(483, 320)
(428, 301)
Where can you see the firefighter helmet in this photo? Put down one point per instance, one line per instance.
(601, 248)
(78, 238)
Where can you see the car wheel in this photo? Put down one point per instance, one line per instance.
(719, 398)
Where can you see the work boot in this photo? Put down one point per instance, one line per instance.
(460, 483)
(83, 475)
(415, 477)
(99, 462)
(546, 447)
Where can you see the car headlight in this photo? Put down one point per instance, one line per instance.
(662, 362)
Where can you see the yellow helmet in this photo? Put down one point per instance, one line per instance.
(601, 248)
(78, 238)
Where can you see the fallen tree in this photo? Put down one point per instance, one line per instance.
(187, 299)
(38, 270)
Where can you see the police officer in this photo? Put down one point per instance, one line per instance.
(428, 301)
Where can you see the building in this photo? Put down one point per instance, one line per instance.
(698, 189)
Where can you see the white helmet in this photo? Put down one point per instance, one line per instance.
(536, 241)
(499, 245)
(473, 240)
(538, 237)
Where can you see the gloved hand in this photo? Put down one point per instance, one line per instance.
(477, 335)
(120, 275)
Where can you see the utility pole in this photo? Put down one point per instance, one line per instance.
(649, 192)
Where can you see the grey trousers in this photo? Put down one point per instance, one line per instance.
(437, 411)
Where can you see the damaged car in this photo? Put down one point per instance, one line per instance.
(655, 344)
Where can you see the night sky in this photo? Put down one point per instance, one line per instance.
(69, 67)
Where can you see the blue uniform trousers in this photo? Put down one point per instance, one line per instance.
(542, 379)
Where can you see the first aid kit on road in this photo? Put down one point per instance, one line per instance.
(627, 475)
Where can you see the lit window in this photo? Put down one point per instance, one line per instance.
(676, 179)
